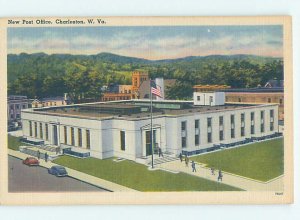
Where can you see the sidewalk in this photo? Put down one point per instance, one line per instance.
(229, 179)
(79, 175)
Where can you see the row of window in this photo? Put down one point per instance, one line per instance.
(41, 133)
(17, 106)
(79, 137)
(269, 100)
(221, 127)
(33, 132)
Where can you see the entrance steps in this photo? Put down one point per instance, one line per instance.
(164, 159)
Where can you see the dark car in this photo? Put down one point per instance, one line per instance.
(57, 171)
(31, 161)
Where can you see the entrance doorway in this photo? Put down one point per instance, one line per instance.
(148, 143)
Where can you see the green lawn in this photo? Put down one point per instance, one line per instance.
(262, 161)
(137, 176)
(14, 142)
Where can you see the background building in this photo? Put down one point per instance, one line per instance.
(15, 103)
(50, 101)
(258, 95)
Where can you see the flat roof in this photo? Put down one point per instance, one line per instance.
(135, 109)
(255, 90)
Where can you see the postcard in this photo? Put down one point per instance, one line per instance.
(146, 110)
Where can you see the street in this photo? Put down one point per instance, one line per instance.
(23, 178)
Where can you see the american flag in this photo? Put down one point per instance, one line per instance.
(155, 89)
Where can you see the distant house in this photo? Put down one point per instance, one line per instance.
(15, 103)
(274, 83)
(50, 101)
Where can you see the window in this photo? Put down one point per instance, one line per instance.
(197, 142)
(88, 139)
(272, 113)
(209, 140)
(262, 121)
(243, 124)
(12, 107)
(252, 116)
(243, 117)
(252, 129)
(240, 100)
(79, 137)
(232, 122)
(35, 129)
(66, 134)
(122, 137)
(30, 128)
(208, 122)
(18, 106)
(271, 120)
(197, 133)
(41, 131)
(197, 123)
(221, 135)
(209, 130)
(72, 137)
(269, 100)
(183, 125)
(221, 120)
(198, 98)
(221, 128)
(18, 116)
(183, 134)
(12, 116)
(183, 142)
(252, 123)
(271, 126)
(46, 129)
(242, 131)
(23, 106)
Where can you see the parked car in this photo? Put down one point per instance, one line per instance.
(31, 161)
(58, 171)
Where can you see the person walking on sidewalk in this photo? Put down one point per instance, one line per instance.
(180, 157)
(38, 154)
(220, 176)
(212, 171)
(186, 161)
(194, 166)
(160, 153)
(46, 157)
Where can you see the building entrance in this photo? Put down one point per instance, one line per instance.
(148, 143)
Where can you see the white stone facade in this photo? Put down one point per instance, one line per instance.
(174, 133)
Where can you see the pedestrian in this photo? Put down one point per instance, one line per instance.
(180, 157)
(160, 152)
(38, 154)
(194, 166)
(186, 161)
(46, 157)
(212, 171)
(220, 176)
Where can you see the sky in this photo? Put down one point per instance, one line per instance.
(149, 42)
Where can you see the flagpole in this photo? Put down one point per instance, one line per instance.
(151, 125)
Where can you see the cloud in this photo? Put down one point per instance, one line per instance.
(149, 43)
